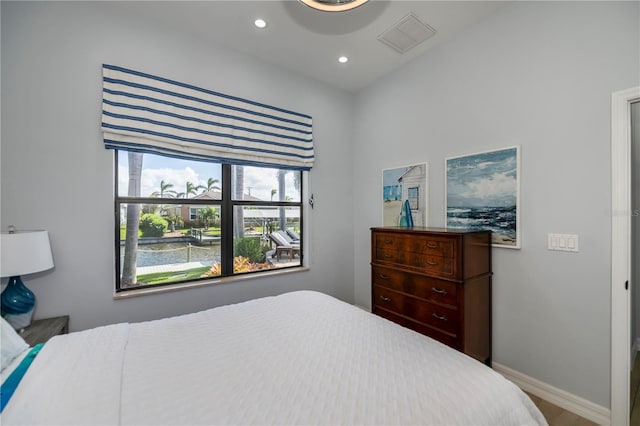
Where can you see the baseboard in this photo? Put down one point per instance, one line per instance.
(580, 406)
(362, 307)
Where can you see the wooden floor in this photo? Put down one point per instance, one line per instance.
(635, 394)
(557, 416)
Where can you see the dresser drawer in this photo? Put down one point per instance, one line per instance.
(431, 314)
(436, 281)
(435, 265)
(446, 338)
(421, 244)
(423, 287)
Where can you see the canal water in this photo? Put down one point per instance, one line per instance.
(167, 253)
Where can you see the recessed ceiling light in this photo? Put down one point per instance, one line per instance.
(260, 23)
(333, 5)
(343, 59)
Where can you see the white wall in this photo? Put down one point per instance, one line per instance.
(57, 176)
(539, 75)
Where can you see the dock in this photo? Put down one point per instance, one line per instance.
(198, 236)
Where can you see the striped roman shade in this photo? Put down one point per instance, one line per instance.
(146, 113)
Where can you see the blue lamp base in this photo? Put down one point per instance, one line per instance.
(17, 303)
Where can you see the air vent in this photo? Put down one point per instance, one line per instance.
(409, 32)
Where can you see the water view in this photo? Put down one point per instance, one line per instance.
(167, 253)
(500, 220)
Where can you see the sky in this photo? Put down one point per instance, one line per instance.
(390, 176)
(486, 179)
(258, 181)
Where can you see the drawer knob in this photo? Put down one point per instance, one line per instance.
(440, 317)
(388, 241)
(387, 256)
(439, 291)
(432, 245)
(385, 298)
(384, 277)
(432, 263)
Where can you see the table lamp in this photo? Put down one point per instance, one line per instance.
(21, 253)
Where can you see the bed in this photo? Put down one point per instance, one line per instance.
(298, 358)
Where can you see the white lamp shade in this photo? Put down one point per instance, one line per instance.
(24, 252)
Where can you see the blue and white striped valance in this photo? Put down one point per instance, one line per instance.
(142, 112)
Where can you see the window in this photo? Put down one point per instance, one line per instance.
(413, 194)
(184, 220)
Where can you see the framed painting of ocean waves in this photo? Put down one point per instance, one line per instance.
(483, 192)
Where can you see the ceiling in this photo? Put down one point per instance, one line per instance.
(308, 41)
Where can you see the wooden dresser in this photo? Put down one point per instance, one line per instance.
(436, 282)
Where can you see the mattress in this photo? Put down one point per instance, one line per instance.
(298, 358)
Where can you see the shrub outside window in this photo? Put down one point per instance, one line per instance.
(181, 220)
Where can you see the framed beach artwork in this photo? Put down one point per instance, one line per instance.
(401, 185)
(483, 192)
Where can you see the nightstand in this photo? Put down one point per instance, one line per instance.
(44, 329)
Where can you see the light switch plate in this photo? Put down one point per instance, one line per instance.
(562, 242)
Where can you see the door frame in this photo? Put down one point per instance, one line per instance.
(621, 252)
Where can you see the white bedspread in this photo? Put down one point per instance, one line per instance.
(75, 379)
(298, 358)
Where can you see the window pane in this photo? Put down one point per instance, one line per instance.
(264, 184)
(168, 248)
(175, 221)
(414, 197)
(255, 248)
(166, 177)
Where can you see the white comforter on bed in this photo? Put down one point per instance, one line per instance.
(298, 358)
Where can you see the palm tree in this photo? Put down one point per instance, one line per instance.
(297, 179)
(191, 189)
(164, 192)
(282, 195)
(273, 192)
(238, 216)
(133, 222)
(281, 190)
(211, 185)
(173, 221)
(207, 214)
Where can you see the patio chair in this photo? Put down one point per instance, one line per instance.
(293, 234)
(289, 238)
(283, 246)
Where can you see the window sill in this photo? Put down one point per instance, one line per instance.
(205, 283)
